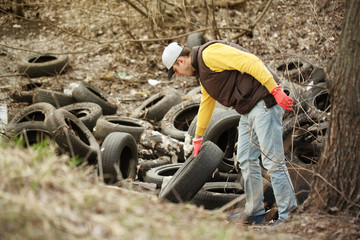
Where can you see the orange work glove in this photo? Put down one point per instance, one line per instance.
(197, 145)
(281, 98)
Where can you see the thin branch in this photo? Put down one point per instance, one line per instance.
(216, 30)
(10, 75)
(37, 52)
(168, 3)
(229, 4)
(137, 8)
(261, 16)
(252, 26)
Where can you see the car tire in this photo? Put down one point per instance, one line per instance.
(43, 65)
(37, 112)
(119, 156)
(292, 68)
(86, 92)
(155, 107)
(87, 112)
(156, 175)
(222, 130)
(145, 165)
(214, 195)
(31, 132)
(112, 123)
(195, 39)
(72, 135)
(177, 120)
(57, 99)
(193, 174)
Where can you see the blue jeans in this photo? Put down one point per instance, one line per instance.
(260, 132)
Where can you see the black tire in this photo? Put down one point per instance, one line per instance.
(146, 165)
(222, 131)
(108, 124)
(57, 99)
(43, 65)
(188, 146)
(293, 68)
(86, 92)
(269, 198)
(318, 74)
(155, 107)
(294, 126)
(214, 195)
(31, 132)
(119, 155)
(23, 96)
(297, 93)
(193, 93)
(87, 112)
(319, 98)
(156, 175)
(192, 127)
(321, 101)
(34, 113)
(177, 120)
(193, 174)
(72, 135)
(195, 39)
(301, 176)
(24, 93)
(225, 176)
(307, 147)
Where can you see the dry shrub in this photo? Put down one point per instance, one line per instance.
(41, 197)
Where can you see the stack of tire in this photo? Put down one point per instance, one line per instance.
(154, 143)
(67, 119)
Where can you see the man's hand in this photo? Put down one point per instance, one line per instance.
(281, 98)
(197, 145)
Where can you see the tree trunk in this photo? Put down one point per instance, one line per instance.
(336, 185)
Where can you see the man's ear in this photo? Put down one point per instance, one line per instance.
(180, 60)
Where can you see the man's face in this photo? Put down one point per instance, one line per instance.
(182, 67)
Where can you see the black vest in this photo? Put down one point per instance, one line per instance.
(231, 88)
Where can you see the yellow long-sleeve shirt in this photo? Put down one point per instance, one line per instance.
(220, 57)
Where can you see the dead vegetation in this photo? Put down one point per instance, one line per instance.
(42, 197)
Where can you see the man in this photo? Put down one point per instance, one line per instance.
(236, 78)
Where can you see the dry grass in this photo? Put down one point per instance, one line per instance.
(41, 197)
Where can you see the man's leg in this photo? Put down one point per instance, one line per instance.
(268, 127)
(248, 158)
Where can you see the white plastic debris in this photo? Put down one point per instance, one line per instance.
(69, 88)
(153, 82)
(3, 115)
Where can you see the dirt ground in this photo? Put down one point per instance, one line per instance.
(114, 47)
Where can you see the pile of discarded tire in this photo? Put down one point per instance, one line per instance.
(153, 144)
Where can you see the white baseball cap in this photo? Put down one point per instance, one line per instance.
(170, 54)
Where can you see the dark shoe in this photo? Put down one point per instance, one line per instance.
(273, 225)
(258, 219)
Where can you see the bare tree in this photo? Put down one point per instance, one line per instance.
(336, 187)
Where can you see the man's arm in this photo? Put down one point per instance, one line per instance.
(206, 109)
